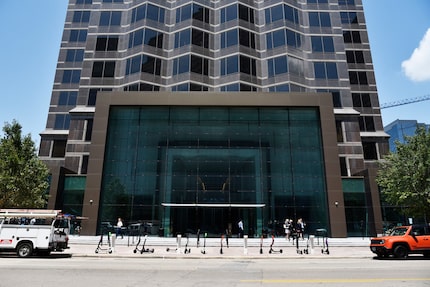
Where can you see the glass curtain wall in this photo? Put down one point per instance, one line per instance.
(204, 168)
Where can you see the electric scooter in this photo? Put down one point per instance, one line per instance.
(271, 250)
(100, 245)
(143, 249)
(204, 244)
(325, 247)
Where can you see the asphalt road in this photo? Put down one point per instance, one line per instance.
(89, 271)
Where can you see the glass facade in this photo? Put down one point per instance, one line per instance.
(190, 168)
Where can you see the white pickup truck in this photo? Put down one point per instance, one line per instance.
(28, 231)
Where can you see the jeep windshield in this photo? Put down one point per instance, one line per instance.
(399, 231)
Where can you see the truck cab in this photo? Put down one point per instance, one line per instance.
(29, 231)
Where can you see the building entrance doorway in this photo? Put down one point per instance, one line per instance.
(211, 190)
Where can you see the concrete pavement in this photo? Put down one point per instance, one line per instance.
(167, 247)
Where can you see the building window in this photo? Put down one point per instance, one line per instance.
(339, 131)
(325, 70)
(59, 148)
(113, 1)
(138, 13)
(153, 38)
(143, 63)
(280, 88)
(356, 57)
(277, 66)
(62, 122)
(229, 13)
(71, 76)
(369, 150)
(78, 35)
(348, 17)
(361, 100)
(81, 17)
(246, 13)
(346, 2)
(88, 129)
(317, 1)
(281, 12)
(183, 38)
(199, 65)
(322, 44)
(200, 38)
(358, 78)
(229, 65)
(107, 43)
(343, 166)
(193, 11)
(84, 2)
(181, 65)
(103, 69)
(67, 98)
(75, 55)
(110, 18)
(247, 65)
(84, 164)
(189, 87)
(319, 19)
(367, 124)
(229, 38)
(92, 97)
(142, 87)
(351, 37)
(155, 13)
(246, 38)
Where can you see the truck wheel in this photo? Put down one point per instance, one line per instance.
(24, 249)
(400, 251)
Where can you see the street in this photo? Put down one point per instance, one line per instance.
(91, 271)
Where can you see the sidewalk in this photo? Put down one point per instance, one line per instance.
(166, 247)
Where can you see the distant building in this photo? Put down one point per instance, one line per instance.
(401, 128)
(194, 114)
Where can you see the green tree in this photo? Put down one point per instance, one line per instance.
(404, 176)
(23, 177)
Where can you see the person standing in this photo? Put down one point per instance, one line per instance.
(240, 226)
(287, 228)
(119, 226)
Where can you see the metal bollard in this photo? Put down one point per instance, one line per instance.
(112, 241)
(245, 244)
(311, 243)
(178, 243)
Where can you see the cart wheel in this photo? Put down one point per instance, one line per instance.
(134, 251)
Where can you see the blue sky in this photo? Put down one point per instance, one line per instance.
(31, 36)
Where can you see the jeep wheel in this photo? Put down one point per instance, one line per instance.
(24, 249)
(400, 252)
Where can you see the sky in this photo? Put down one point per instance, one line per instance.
(399, 35)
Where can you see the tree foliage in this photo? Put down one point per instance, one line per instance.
(23, 177)
(405, 175)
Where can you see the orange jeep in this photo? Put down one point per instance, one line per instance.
(403, 240)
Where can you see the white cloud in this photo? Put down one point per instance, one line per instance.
(417, 67)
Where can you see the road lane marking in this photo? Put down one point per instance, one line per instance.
(333, 280)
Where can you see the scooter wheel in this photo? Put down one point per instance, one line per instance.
(134, 251)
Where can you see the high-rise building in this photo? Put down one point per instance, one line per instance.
(192, 115)
(398, 130)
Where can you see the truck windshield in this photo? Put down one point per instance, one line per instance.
(398, 231)
(61, 223)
